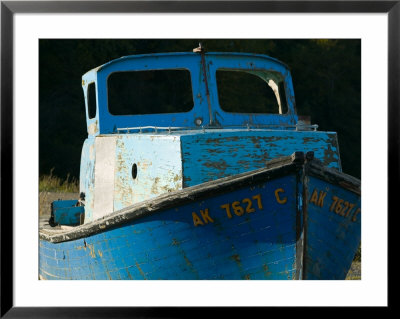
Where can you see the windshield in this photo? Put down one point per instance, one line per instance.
(243, 91)
(149, 92)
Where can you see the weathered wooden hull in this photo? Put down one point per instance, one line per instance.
(264, 224)
(332, 224)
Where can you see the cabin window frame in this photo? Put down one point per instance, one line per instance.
(206, 111)
(88, 108)
(150, 69)
(254, 72)
(250, 62)
(114, 123)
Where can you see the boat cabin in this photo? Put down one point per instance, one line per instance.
(158, 123)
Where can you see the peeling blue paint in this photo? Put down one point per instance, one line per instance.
(289, 226)
(169, 246)
(223, 153)
(107, 123)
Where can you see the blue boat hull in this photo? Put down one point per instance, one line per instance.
(266, 224)
(332, 230)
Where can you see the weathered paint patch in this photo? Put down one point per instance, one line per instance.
(168, 246)
(212, 155)
(158, 165)
(104, 176)
(65, 212)
(252, 228)
(86, 178)
(93, 128)
(333, 230)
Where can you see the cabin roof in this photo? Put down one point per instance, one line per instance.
(180, 54)
(206, 110)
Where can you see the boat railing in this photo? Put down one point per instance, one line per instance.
(170, 129)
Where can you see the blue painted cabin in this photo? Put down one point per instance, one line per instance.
(184, 178)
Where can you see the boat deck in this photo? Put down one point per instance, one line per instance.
(44, 222)
(45, 226)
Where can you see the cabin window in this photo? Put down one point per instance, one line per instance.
(149, 92)
(242, 91)
(91, 96)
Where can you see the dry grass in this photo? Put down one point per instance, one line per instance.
(354, 271)
(357, 257)
(42, 202)
(51, 183)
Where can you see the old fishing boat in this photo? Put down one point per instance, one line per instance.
(213, 184)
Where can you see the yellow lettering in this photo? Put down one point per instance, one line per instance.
(278, 199)
(335, 199)
(196, 219)
(351, 206)
(339, 206)
(205, 216)
(358, 211)
(322, 195)
(228, 210)
(258, 197)
(346, 206)
(249, 207)
(237, 209)
(314, 197)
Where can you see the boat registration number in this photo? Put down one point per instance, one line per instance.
(241, 207)
(337, 205)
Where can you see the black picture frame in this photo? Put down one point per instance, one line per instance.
(9, 8)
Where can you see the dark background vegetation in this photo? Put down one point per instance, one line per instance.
(326, 78)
